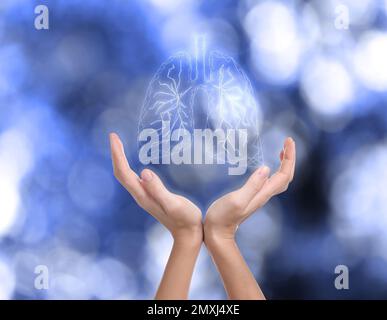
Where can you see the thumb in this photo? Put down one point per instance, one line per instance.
(155, 187)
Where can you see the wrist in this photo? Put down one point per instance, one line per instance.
(218, 235)
(188, 238)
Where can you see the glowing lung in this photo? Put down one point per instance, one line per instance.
(205, 91)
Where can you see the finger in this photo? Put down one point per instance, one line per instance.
(279, 181)
(118, 155)
(253, 185)
(289, 157)
(122, 171)
(156, 189)
(281, 156)
(271, 187)
(295, 158)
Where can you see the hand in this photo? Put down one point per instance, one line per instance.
(179, 215)
(228, 212)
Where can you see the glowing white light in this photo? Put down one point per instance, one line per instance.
(15, 161)
(276, 47)
(7, 282)
(9, 202)
(359, 201)
(327, 86)
(370, 60)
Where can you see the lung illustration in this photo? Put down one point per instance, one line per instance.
(206, 90)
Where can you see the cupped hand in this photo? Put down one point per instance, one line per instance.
(178, 214)
(228, 212)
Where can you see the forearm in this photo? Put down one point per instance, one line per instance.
(238, 281)
(178, 271)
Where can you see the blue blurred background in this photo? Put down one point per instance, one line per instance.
(64, 89)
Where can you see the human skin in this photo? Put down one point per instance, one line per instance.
(228, 212)
(180, 216)
(184, 221)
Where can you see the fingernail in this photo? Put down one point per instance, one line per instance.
(147, 175)
(264, 171)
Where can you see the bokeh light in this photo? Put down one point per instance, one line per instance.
(275, 44)
(327, 86)
(369, 60)
(360, 207)
(64, 89)
(7, 280)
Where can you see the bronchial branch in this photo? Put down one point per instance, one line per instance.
(226, 100)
